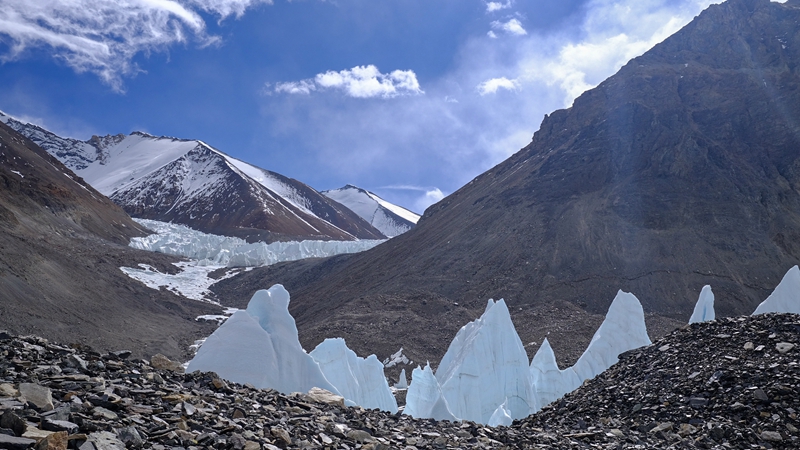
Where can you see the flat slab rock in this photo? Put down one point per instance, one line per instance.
(719, 384)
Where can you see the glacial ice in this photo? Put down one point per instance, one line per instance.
(786, 296)
(485, 365)
(402, 381)
(214, 250)
(260, 346)
(359, 380)
(424, 398)
(485, 375)
(623, 329)
(501, 416)
(704, 308)
(549, 382)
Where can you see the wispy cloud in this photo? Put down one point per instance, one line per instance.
(493, 85)
(102, 36)
(497, 6)
(511, 26)
(358, 82)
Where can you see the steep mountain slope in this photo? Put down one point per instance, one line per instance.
(61, 246)
(189, 182)
(389, 218)
(680, 170)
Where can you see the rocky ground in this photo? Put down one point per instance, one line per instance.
(731, 383)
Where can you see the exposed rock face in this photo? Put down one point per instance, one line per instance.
(718, 384)
(682, 170)
(61, 246)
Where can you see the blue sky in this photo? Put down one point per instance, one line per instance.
(408, 98)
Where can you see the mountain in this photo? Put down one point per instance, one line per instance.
(192, 183)
(388, 218)
(680, 170)
(61, 246)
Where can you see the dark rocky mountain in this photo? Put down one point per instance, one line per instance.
(191, 183)
(61, 246)
(725, 384)
(681, 170)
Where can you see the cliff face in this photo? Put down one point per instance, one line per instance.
(683, 169)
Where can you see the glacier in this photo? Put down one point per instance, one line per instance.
(357, 379)
(215, 250)
(260, 346)
(484, 366)
(550, 383)
(424, 398)
(704, 308)
(485, 376)
(785, 297)
(209, 252)
(623, 329)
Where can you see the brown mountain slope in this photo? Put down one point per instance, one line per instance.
(683, 169)
(61, 246)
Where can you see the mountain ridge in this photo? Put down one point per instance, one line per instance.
(151, 177)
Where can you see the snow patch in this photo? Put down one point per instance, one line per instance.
(396, 358)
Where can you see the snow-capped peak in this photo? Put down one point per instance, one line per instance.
(387, 217)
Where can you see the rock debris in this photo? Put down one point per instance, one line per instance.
(726, 384)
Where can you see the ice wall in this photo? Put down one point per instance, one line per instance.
(210, 249)
(786, 296)
(549, 382)
(486, 365)
(260, 346)
(360, 380)
(424, 398)
(623, 329)
(704, 308)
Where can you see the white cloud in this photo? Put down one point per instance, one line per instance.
(102, 36)
(497, 6)
(512, 26)
(296, 87)
(614, 32)
(431, 196)
(425, 140)
(358, 82)
(491, 86)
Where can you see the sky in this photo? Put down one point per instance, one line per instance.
(410, 99)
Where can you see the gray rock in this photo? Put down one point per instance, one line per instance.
(104, 440)
(771, 436)
(14, 443)
(130, 436)
(161, 362)
(783, 347)
(39, 396)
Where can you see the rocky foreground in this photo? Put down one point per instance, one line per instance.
(730, 383)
